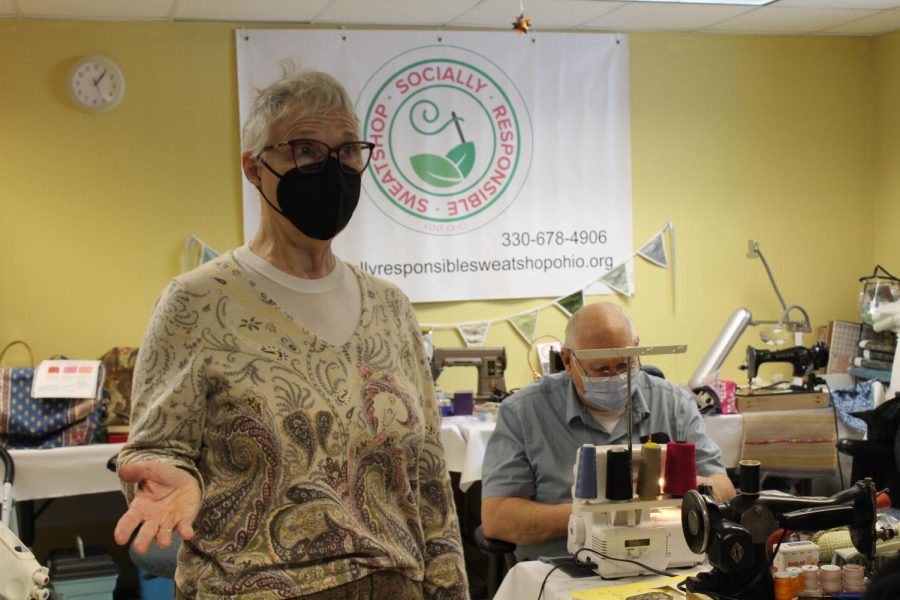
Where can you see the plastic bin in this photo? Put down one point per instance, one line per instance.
(155, 588)
(90, 578)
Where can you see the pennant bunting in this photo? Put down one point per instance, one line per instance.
(571, 303)
(474, 334)
(193, 257)
(671, 229)
(617, 279)
(654, 250)
(207, 253)
(525, 324)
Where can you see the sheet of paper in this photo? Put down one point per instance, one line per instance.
(627, 590)
(67, 379)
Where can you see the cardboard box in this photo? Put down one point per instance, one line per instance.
(786, 401)
(795, 554)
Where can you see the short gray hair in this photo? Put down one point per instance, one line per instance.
(317, 92)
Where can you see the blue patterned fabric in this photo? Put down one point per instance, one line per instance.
(851, 400)
(27, 422)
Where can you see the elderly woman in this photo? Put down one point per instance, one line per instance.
(284, 420)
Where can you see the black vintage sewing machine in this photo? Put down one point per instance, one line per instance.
(734, 535)
(804, 360)
(491, 364)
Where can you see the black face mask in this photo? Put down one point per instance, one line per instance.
(319, 204)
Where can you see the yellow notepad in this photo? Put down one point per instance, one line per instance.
(626, 590)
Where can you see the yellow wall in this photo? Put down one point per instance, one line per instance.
(885, 216)
(770, 138)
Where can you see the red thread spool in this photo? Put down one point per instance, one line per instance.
(681, 468)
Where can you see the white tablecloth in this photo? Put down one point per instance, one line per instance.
(523, 582)
(727, 431)
(465, 439)
(82, 469)
(63, 471)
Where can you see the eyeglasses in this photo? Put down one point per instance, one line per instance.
(602, 370)
(310, 156)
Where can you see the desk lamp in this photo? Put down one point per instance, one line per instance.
(778, 333)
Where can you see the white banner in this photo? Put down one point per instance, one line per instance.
(503, 162)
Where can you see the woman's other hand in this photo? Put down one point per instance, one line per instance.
(166, 498)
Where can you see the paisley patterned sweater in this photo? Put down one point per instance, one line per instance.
(319, 464)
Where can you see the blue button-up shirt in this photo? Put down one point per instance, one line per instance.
(532, 451)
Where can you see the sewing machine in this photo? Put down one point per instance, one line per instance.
(734, 535)
(491, 364)
(804, 360)
(646, 531)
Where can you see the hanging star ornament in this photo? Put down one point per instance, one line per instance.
(522, 24)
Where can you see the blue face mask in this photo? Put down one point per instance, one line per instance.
(608, 394)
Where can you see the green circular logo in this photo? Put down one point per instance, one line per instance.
(453, 140)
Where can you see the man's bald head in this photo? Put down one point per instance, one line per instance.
(600, 325)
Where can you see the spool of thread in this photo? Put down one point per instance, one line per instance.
(830, 579)
(681, 468)
(784, 586)
(810, 577)
(649, 471)
(601, 476)
(749, 476)
(853, 578)
(796, 580)
(586, 481)
(618, 475)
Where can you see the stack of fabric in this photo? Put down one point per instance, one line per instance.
(875, 357)
(792, 443)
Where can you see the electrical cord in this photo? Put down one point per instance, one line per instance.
(714, 595)
(628, 560)
(544, 583)
(822, 381)
(771, 277)
(602, 555)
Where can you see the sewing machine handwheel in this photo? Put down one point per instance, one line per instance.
(695, 521)
(862, 531)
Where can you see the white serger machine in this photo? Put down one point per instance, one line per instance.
(21, 576)
(608, 533)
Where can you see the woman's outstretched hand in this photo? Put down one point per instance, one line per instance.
(166, 498)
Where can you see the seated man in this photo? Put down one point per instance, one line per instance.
(527, 473)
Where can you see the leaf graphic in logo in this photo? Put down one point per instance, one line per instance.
(445, 172)
(463, 156)
(436, 170)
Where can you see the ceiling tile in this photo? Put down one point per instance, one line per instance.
(837, 17)
(772, 19)
(97, 9)
(665, 17)
(853, 4)
(290, 11)
(544, 14)
(394, 12)
(883, 22)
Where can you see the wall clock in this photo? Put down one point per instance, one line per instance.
(97, 84)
